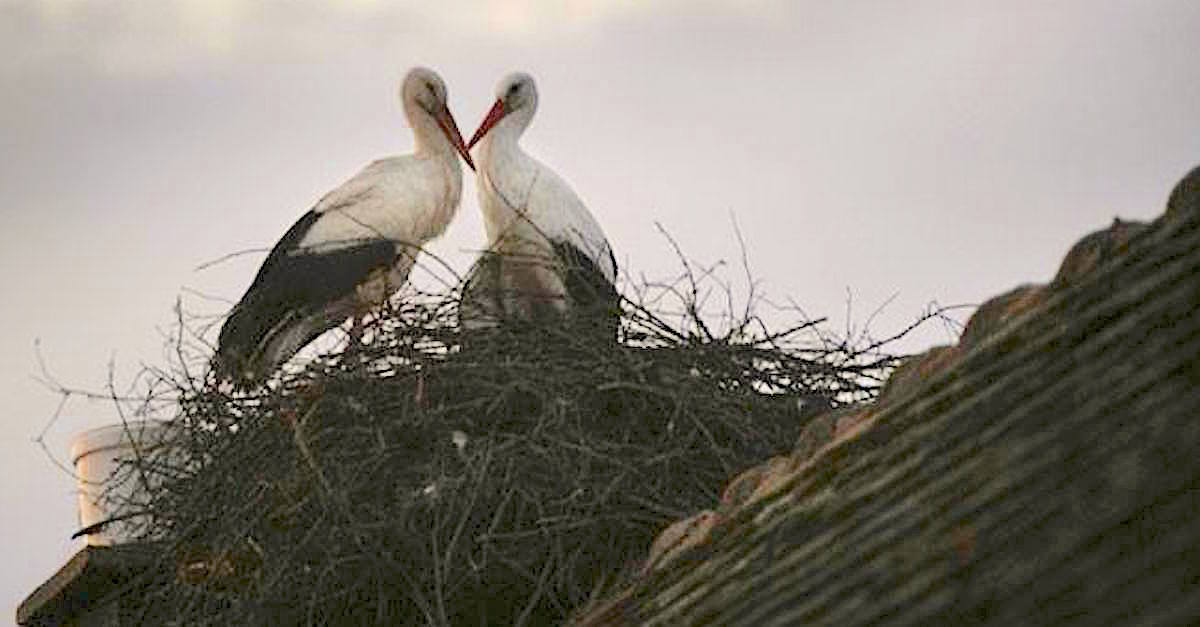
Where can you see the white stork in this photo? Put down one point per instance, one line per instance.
(355, 247)
(546, 253)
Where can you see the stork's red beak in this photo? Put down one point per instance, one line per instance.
(450, 128)
(488, 122)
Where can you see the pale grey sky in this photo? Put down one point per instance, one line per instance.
(941, 151)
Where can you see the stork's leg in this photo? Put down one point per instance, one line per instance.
(356, 330)
(354, 345)
(370, 296)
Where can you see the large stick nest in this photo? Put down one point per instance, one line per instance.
(424, 477)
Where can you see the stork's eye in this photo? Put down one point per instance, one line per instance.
(432, 90)
(512, 91)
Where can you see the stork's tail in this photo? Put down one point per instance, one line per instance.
(237, 359)
(248, 353)
(229, 366)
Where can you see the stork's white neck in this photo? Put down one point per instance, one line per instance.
(505, 136)
(428, 137)
(504, 172)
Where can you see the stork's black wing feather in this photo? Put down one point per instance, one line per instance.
(593, 297)
(290, 242)
(293, 281)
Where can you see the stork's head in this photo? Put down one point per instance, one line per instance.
(424, 96)
(516, 100)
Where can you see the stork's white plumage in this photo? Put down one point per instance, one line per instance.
(353, 249)
(546, 252)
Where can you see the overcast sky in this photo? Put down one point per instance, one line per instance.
(936, 151)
